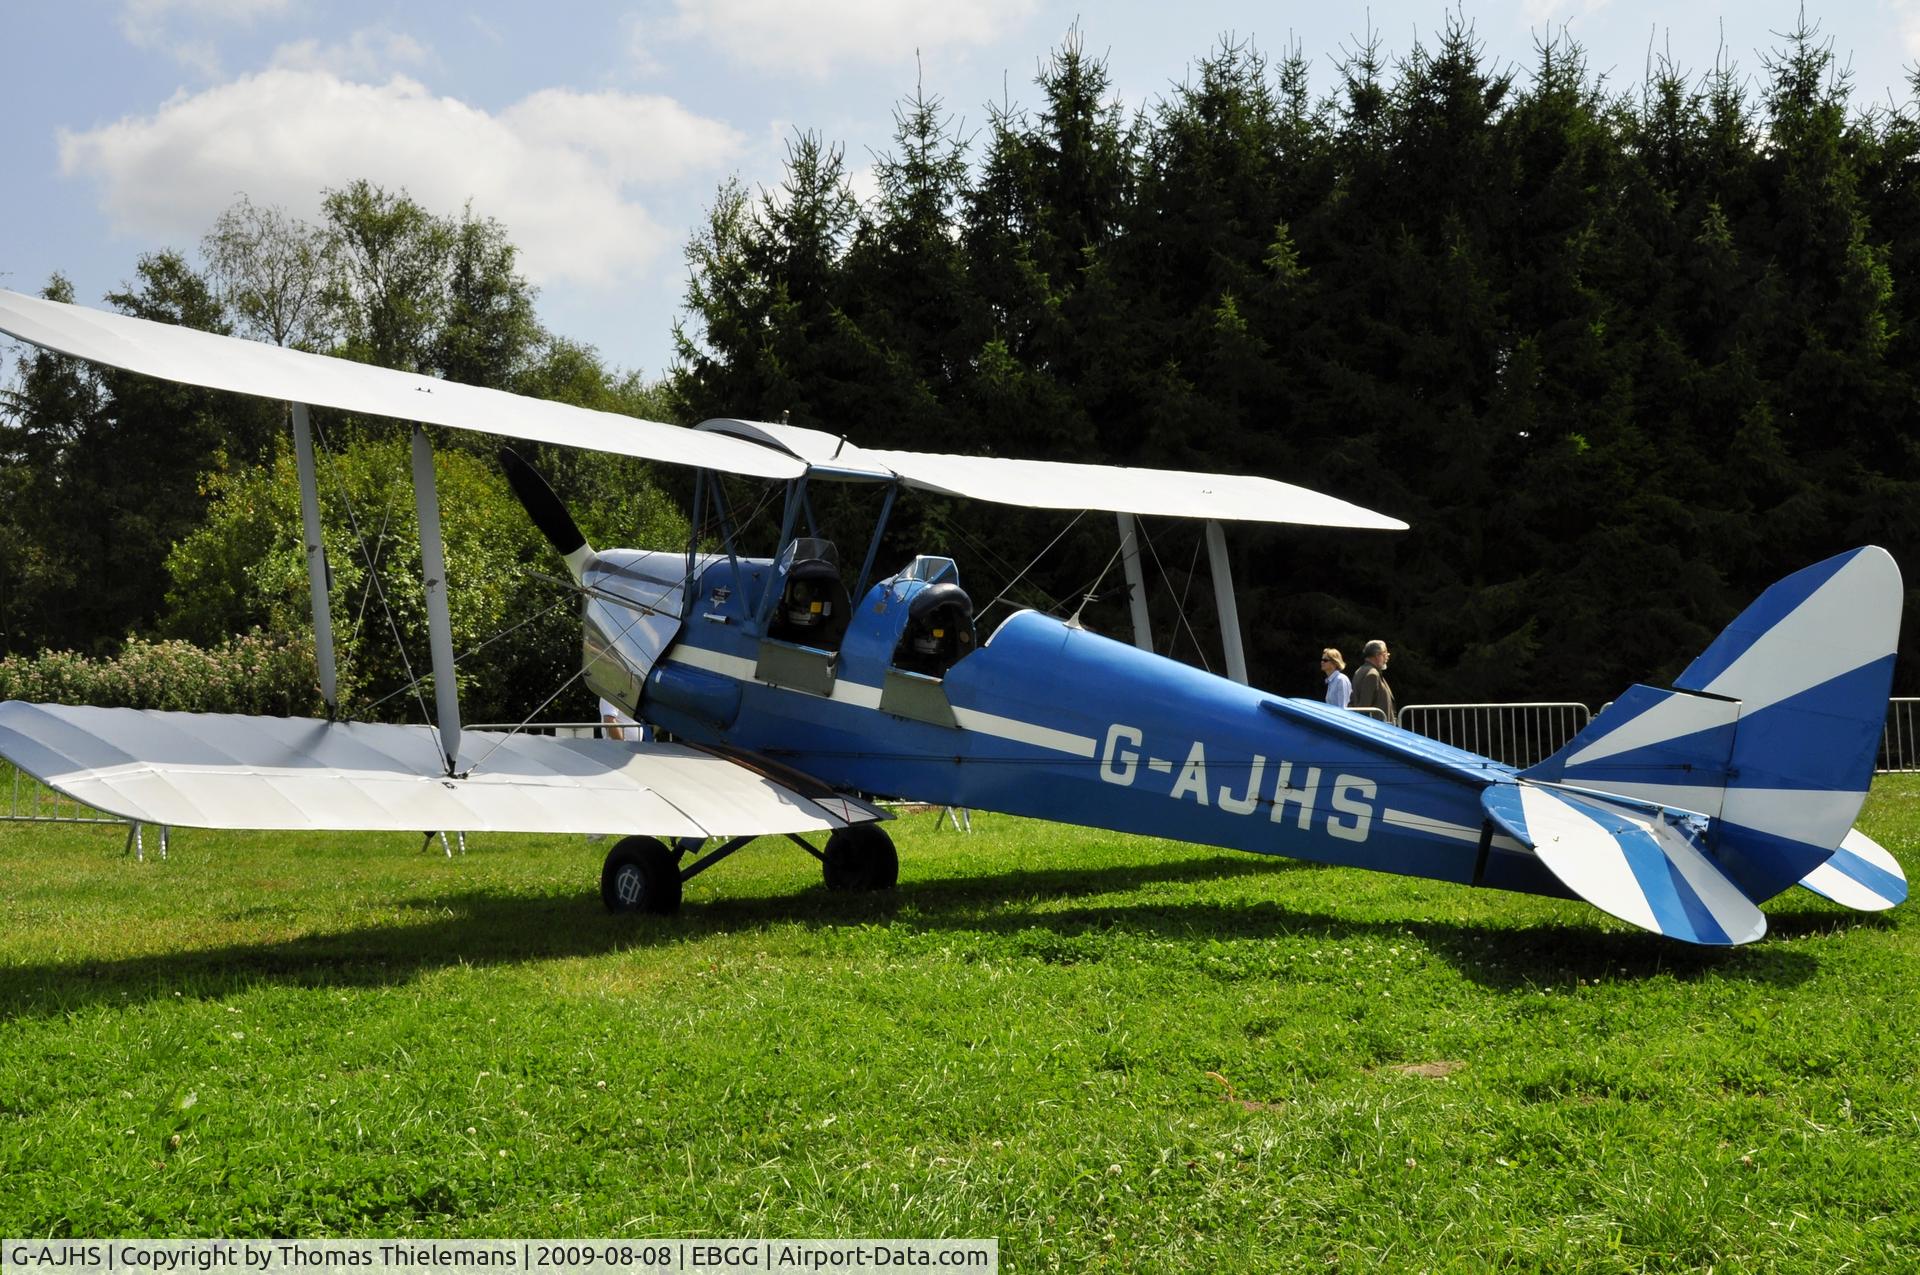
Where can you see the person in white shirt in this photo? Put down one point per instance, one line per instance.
(615, 724)
(1339, 689)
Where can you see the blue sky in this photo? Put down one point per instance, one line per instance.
(599, 131)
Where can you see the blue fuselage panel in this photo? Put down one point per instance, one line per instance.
(1058, 723)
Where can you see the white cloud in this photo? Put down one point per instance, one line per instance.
(638, 138)
(1558, 12)
(1906, 18)
(150, 15)
(367, 53)
(554, 168)
(812, 37)
(864, 182)
(150, 24)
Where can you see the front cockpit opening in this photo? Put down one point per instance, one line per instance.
(813, 608)
(939, 631)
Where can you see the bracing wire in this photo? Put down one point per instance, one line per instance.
(959, 532)
(478, 647)
(379, 546)
(1093, 591)
(1180, 608)
(640, 612)
(373, 574)
(996, 561)
(1031, 565)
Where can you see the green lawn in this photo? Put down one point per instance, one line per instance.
(1110, 1052)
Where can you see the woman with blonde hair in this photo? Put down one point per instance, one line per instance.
(1339, 689)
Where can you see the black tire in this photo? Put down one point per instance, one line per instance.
(861, 858)
(641, 875)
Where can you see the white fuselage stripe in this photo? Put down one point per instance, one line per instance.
(1411, 822)
(1434, 827)
(1025, 732)
(859, 695)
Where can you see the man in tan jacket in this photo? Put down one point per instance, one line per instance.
(1370, 689)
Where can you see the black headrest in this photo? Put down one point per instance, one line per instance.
(813, 569)
(938, 596)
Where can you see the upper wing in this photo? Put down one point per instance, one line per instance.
(192, 357)
(751, 448)
(206, 770)
(1051, 484)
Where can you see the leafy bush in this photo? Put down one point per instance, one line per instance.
(516, 632)
(256, 672)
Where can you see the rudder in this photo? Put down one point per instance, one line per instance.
(1772, 732)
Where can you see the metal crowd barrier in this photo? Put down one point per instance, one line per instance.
(561, 730)
(1516, 734)
(30, 801)
(1522, 734)
(1900, 741)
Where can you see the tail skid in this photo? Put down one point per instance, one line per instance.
(1679, 810)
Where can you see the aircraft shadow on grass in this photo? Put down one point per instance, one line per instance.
(492, 929)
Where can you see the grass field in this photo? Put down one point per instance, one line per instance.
(1109, 1052)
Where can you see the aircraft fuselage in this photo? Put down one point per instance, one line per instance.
(1055, 722)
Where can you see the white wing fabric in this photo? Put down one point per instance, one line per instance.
(1053, 484)
(192, 357)
(207, 770)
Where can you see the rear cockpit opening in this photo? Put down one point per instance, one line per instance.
(813, 608)
(939, 631)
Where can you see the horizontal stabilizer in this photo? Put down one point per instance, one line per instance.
(206, 770)
(1861, 875)
(1631, 861)
(1668, 747)
(1772, 732)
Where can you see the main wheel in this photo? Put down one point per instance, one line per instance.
(861, 857)
(641, 875)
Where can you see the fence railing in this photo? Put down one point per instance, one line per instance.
(1517, 734)
(24, 799)
(1900, 741)
(561, 730)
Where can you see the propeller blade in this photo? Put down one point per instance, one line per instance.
(548, 514)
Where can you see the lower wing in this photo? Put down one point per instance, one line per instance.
(207, 770)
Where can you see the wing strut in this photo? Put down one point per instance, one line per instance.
(796, 496)
(316, 557)
(1223, 598)
(873, 546)
(433, 574)
(1136, 581)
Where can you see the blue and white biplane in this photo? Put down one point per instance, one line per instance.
(796, 689)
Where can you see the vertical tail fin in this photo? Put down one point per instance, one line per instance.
(1771, 733)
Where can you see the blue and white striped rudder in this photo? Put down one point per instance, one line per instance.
(1769, 739)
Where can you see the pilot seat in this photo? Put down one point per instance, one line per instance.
(814, 607)
(939, 631)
